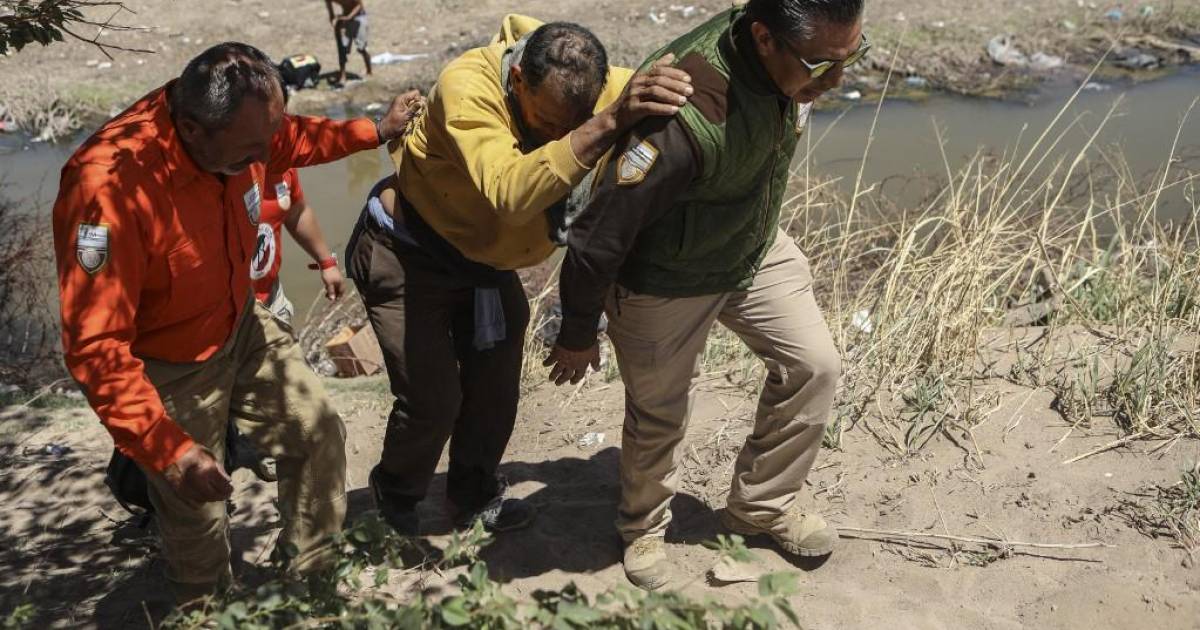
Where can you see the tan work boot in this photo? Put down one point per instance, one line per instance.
(806, 535)
(646, 563)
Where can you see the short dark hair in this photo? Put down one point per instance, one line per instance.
(574, 55)
(215, 83)
(797, 18)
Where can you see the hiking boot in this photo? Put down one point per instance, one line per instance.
(499, 515)
(805, 535)
(646, 563)
(400, 515)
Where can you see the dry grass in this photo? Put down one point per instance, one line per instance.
(911, 293)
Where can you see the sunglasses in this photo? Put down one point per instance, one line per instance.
(815, 70)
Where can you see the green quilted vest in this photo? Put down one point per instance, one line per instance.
(713, 239)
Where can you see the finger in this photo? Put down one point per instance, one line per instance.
(671, 85)
(651, 108)
(660, 94)
(550, 360)
(596, 362)
(665, 60)
(563, 377)
(578, 376)
(556, 372)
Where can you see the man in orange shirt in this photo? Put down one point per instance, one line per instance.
(154, 230)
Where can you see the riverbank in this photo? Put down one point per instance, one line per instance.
(930, 45)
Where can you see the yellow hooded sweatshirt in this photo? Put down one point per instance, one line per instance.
(463, 171)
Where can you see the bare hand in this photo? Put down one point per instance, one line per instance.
(658, 91)
(333, 281)
(198, 477)
(571, 365)
(400, 116)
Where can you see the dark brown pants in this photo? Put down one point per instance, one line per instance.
(444, 387)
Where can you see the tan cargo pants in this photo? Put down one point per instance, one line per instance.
(260, 380)
(658, 343)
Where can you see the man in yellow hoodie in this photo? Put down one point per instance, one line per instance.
(480, 190)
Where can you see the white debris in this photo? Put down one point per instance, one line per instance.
(729, 571)
(104, 65)
(1002, 51)
(92, 63)
(590, 439)
(264, 14)
(862, 321)
(387, 58)
(658, 18)
(684, 11)
(852, 95)
(1093, 86)
(1042, 61)
(374, 107)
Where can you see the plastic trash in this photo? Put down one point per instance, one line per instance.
(852, 95)
(388, 58)
(916, 82)
(658, 18)
(1093, 86)
(1002, 51)
(374, 107)
(1137, 60)
(1115, 15)
(591, 438)
(862, 321)
(1042, 61)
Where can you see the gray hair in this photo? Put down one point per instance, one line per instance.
(215, 83)
(798, 18)
(573, 55)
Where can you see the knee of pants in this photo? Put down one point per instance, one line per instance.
(818, 367)
(323, 436)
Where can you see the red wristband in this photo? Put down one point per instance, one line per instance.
(324, 263)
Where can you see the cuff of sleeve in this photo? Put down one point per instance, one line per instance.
(563, 163)
(363, 134)
(578, 333)
(161, 446)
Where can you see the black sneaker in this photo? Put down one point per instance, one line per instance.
(501, 514)
(402, 518)
(245, 455)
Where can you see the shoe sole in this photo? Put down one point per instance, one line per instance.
(738, 526)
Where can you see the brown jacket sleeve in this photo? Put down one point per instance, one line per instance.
(649, 168)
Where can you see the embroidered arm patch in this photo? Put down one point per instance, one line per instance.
(635, 164)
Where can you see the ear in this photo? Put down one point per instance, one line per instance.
(189, 129)
(518, 75)
(764, 42)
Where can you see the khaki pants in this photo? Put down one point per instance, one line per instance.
(658, 343)
(260, 380)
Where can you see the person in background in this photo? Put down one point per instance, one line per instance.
(349, 28)
(283, 206)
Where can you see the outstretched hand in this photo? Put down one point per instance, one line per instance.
(571, 365)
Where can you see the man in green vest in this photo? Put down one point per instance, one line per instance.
(681, 232)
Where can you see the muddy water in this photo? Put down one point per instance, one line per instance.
(1148, 117)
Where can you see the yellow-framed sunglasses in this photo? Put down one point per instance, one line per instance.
(815, 70)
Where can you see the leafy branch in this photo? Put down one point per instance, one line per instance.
(24, 22)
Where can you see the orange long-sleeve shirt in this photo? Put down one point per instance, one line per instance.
(154, 257)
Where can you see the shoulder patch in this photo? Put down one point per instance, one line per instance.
(91, 246)
(710, 87)
(635, 163)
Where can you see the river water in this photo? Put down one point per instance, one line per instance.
(905, 143)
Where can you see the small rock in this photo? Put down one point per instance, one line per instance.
(264, 14)
(1068, 25)
(92, 63)
(658, 18)
(104, 66)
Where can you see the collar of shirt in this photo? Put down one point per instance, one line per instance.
(737, 48)
(175, 157)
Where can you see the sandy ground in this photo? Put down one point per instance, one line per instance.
(67, 547)
(941, 43)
